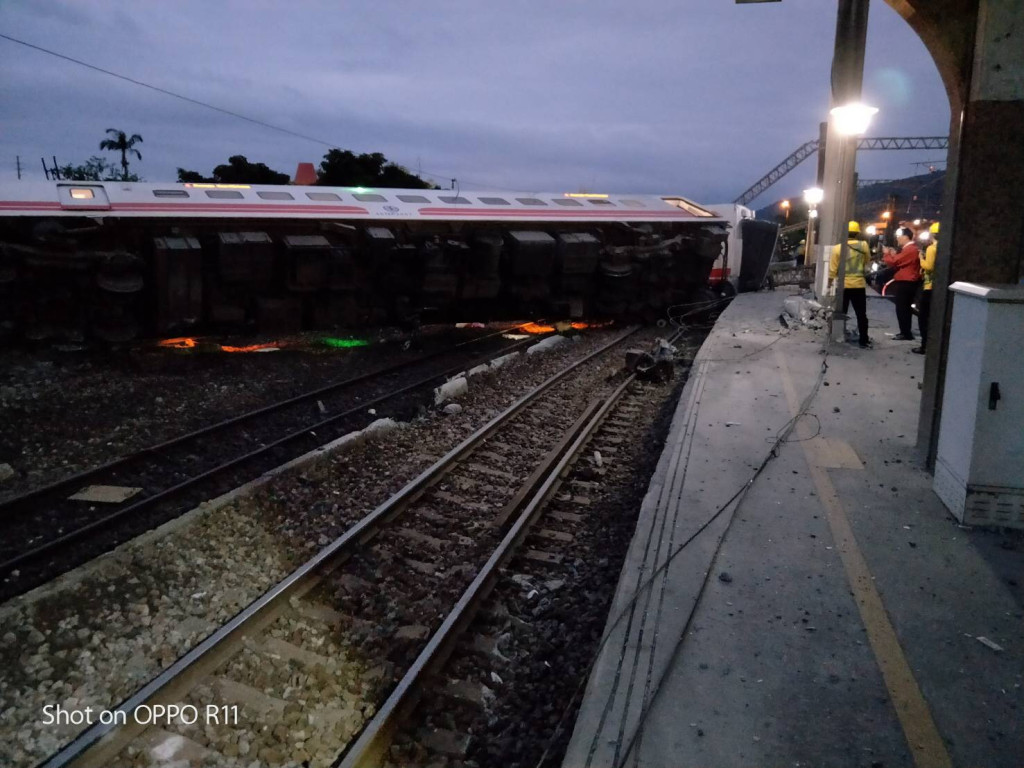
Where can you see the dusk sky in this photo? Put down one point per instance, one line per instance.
(692, 97)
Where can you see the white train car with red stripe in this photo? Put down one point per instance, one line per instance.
(113, 260)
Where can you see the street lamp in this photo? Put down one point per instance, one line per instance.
(853, 119)
(785, 206)
(812, 197)
(850, 121)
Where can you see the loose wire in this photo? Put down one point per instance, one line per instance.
(782, 437)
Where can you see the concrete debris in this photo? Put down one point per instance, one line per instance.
(105, 494)
(545, 344)
(724, 577)
(988, 643)
(807, 311)
(321, 406)
(498, 362)
(6, 472)
(451, 389)
(597, 458)
(452, 408)
(496, 680)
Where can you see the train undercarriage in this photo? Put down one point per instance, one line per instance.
(113, 280)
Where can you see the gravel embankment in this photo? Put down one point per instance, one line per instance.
(64, 412)
(92, 639)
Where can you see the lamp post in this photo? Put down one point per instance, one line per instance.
(850, 121)
(812, 197)
(847, 73)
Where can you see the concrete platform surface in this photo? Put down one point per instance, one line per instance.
(795, 593)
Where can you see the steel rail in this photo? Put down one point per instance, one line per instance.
(18, 504)
(53, 545)
(374, 740)
(316, 567)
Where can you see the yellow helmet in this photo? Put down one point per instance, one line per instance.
(854, 227)
(934, 228)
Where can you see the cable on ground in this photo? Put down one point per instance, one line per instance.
(782, 437)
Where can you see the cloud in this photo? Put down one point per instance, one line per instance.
(697, 99)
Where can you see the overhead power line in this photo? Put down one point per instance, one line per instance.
(189, 99)
(329, 144)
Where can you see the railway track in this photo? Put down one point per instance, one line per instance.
(41, 527)
(433, 714)
(315, 657)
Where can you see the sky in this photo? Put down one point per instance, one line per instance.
(691, 97)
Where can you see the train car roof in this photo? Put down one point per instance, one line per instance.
(261, 201)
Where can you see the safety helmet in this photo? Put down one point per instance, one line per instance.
(854, 227)
(934, 228)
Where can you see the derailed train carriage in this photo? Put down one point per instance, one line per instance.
(117, 260)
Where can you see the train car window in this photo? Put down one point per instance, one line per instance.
(567, 202)
(224, 194)
(633, 203)
(601, 202)
(170, 193)
(369, 198)
(413, 198)
(689, 207)
(530, 201)
(454, 200)
(82, 194)
(322, 196)
(494, 201)
(275, 195)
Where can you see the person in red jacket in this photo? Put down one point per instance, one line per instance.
(907, 263)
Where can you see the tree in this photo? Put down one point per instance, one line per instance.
(94, 169)
(123, 144)
(342, 168)
(190, 176)
(238, 170)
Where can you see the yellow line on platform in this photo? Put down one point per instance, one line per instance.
(920, 730)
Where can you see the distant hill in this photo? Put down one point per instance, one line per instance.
(915, 197)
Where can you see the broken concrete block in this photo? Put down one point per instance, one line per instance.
(451, 389)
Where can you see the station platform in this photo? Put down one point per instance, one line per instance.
(795, 593)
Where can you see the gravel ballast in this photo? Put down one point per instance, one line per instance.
(95, 635)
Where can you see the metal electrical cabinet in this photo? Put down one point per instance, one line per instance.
(979, 469)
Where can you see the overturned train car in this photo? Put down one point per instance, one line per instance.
(115, 261)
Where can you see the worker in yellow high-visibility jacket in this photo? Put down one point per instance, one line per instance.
(924, 307)
(854, 284)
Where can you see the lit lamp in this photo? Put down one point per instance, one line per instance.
(812, 197)
(853, 119)
(849, 120)
(785, 206)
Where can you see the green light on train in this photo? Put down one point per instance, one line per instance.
(343, 343)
